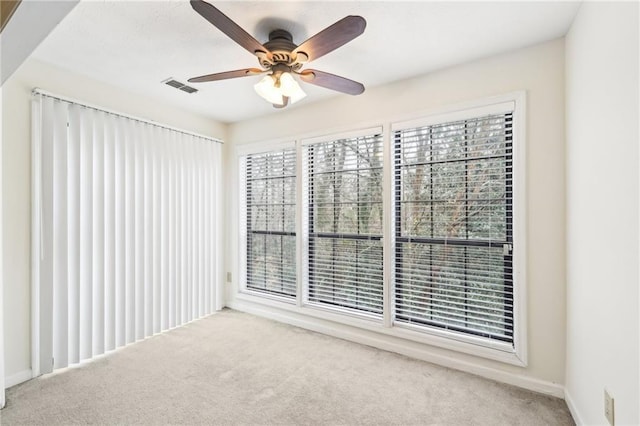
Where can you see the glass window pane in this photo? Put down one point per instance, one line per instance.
(345, 196)
(270, 202)
(453, 195)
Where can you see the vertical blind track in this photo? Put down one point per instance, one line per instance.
(39, 92)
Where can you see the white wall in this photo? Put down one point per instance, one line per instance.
(16, 177)
(2, 395)
(540, 71)
(602, 212)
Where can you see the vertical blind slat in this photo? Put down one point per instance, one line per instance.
(155, 205)
(109, 233)
(187, 221)
(200, 234)
(139, 264)
(46, 225)
(73, 219)
(130, 234)
(215, 192)
(86, 236)
(194, 230)
(192, 234)
(207, 259)
(182, 243)
(120, 197)
(98, 234)
(60, 275)
(148, 235)
(173, 245)
(164, 236)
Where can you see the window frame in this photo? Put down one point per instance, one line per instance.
(299, 312)
(456, 117)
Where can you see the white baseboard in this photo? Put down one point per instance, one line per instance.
(16, 379)
(572, 408)
(399, 346)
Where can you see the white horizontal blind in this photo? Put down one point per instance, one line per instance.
(127, 228)
(453, 226)
(344, 193)
(270, 208)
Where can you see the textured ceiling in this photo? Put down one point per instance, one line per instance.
(136, 45)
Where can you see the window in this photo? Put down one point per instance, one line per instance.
(453, 226)
(344, 184)
(415, 229)
(270, 202)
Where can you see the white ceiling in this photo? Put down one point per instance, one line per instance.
(136, 45)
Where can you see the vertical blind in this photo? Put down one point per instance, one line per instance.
(125, 229)
(344, 193)
(270, 203)
(453, 226)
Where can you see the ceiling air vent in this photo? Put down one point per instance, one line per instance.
(181, 86)
(188, 89)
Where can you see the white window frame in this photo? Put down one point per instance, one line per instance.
(515, 354)
(514, 102)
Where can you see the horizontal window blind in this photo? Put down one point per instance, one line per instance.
(270, 202)
(453, 226)
(126, 230)
(443, 264)
(344, 192)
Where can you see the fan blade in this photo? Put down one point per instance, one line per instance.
(227, 26)
(331, 38)
(226, 75)
(331, 81)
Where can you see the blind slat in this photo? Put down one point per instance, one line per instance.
(60, 236)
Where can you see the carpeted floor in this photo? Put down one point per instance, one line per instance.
(235, 368)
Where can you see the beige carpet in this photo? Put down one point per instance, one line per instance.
(235, 368)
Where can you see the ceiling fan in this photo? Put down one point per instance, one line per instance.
(280, 58)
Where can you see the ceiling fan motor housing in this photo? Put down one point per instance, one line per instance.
(281, 47)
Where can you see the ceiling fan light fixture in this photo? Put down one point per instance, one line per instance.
(267, 89)
(290, 88)
(274, 87)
